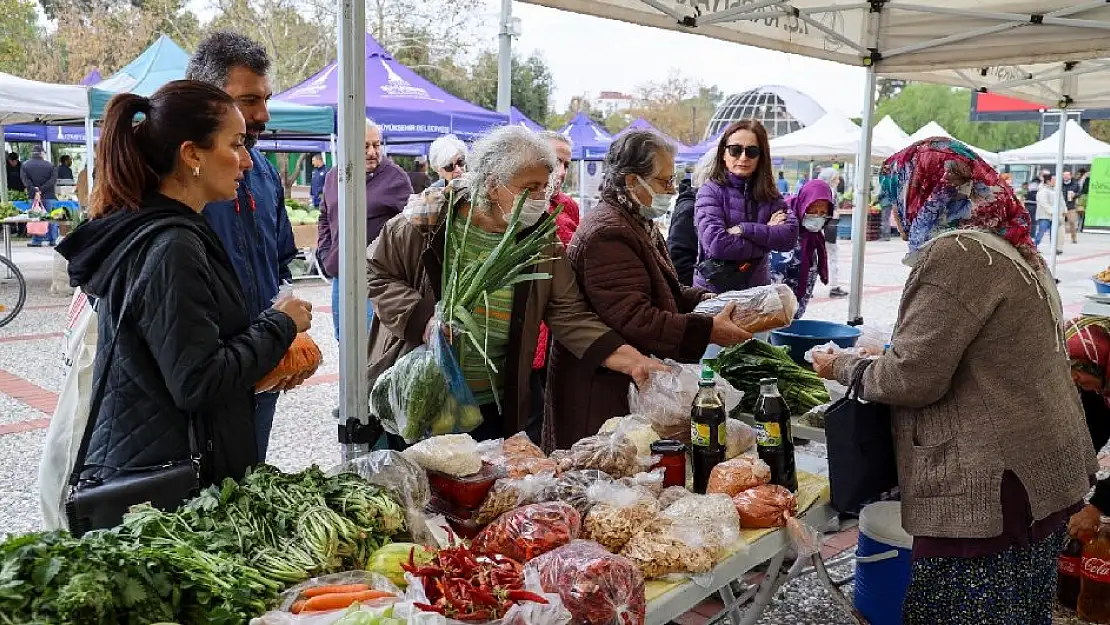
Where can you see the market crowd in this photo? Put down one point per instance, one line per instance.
(189, 246)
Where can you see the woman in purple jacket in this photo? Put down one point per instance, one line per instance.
(740, 214)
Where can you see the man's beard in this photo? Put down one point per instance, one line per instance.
(251, 137)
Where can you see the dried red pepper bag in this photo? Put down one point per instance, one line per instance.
(598, 587)
(530, 531)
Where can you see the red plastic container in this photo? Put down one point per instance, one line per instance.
(461, 520)
(465, 492)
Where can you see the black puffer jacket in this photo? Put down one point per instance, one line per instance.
(682, 240)
(186, 344)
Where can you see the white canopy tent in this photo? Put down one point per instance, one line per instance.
(890, 131)
(28, 101)
(933, 129)
(892, 37)
(831, 137)
(1079, 148)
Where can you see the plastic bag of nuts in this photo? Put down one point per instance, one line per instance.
(667, 547)
(648, 482)
(510, 493)
(618, 512)
(717, 516)
(612, 452)
(573, 488)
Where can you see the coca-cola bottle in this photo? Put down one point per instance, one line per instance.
(1094, 590)
(1068, 568)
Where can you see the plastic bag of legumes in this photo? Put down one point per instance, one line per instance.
(598, 587)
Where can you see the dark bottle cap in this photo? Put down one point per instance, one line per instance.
(668, 447)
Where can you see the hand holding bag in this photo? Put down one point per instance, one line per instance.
(862, 466)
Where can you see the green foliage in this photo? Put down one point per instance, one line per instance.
(532, 84)
(18, 28)
(917, 104)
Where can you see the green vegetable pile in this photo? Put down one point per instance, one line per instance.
(222, 558)
(746, 364)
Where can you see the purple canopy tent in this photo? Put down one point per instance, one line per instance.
(517, 118)
(642, 124)
(691, 153)
(91, 78)
(409, 108)
(591, 143)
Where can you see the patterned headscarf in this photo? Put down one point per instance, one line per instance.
(1089, 348)
(937, 185)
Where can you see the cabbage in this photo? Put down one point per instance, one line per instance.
(387, 561)
(637, 431)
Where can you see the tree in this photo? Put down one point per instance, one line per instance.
(889, 87)
(918, 104)
(18, 32)
(679, 106)
(532, 84)
(433, 30)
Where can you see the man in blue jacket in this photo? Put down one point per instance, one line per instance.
(254, 227)
(318, 174)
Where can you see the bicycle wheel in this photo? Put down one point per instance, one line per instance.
(13, 291)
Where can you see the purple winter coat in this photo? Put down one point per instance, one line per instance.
(719, 207)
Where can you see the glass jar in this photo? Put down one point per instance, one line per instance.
(672, 459)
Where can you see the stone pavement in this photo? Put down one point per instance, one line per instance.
(304, 431)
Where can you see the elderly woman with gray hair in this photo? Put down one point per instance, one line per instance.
(447, 156)
(621, 264)
(407, 263)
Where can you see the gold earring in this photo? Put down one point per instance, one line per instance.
(196, 172)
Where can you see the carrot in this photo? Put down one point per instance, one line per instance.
(298, 606)
(316, 591)
(341, 600)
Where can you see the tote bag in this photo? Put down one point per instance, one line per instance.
(71, 416)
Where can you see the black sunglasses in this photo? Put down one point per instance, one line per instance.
(751, 151)
(450, 167)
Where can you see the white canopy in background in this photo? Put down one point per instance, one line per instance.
(831, 137)
(933, 129)
(27, 101)
(1079, 148)
(889, 129)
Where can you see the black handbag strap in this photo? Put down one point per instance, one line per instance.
(857, 379)
(79, 465)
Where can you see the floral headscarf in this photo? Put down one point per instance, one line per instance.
(937, 185)
(1089, 348)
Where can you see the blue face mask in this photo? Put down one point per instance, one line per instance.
(813, 223)
(660, 202)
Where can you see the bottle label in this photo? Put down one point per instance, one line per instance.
(699, 434)
(1069, 565)
(768, 434)
(1096, 570)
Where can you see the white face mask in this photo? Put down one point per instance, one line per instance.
(813, 223)
(532, 212)
(660, 202)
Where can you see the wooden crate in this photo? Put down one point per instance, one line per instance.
(304, 236)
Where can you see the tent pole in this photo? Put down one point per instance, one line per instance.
(505, 59)
(4, 178)
(862, 199)
(1059, 200)
(582, 184)
(353, 407)
(90, 155)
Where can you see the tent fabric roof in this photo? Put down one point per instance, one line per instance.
(1079, 85)
(831, 137)
(897, 36)
(407, 106)
(1079, 148)
(642, 124)
(29, 101)
(890, 128)
(691, 153)
(164, 61)
(933, 129)
(517, 118)
(591, 141)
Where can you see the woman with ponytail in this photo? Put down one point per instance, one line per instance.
(178, 355)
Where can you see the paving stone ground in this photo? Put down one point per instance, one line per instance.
(304, 432)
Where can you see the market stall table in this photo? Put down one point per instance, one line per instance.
(669, 600)
(7, 223)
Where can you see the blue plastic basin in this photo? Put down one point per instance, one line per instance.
(805, 334)
(1101, 287)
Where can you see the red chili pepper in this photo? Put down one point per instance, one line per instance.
(476, 615)
(428, 608)
(524, 595)
(483, 596)
(428, 571)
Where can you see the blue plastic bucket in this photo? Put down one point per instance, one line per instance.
(882, 563)
(1101, 287)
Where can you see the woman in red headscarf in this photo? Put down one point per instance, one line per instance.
(1089, 351)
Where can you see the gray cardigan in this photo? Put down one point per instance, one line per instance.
(978, 384)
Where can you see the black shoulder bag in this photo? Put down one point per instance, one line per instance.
(101, 503)
(725, 275)
(860, 445)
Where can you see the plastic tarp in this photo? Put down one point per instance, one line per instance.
(831, 137)
(591, 141)
(408, 107)
(29, 101)
(933, 129)
(517, 118)
(164, 61)
(1079, 148)
(893, 35)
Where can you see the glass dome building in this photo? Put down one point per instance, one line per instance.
(781, 110)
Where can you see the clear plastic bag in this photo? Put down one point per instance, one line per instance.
(510, 493)
(648, 482)
(766, 506)
(300, 361)
(599, 588)
(611, 452)
(669, 547)
(665, 402)
(553, 612)
(731, 477)
(637, 429)
(758, 309)
(425, 394)
(453, 454)
(717, 519)
(516, 456)
(347, 582)
(402, 478)
(530, 531)
(424, 209)
(573, 488)
(350, 616)
(672, 494)
(739, 439)
(617, 513)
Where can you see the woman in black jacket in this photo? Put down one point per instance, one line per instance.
(682, 238)
(187, 352)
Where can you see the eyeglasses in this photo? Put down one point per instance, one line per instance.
(751, 151)
(450, 167)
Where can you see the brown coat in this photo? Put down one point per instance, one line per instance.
(627, 278)
(405, 268)
(978, 384)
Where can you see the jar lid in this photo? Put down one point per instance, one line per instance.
(668, 447)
